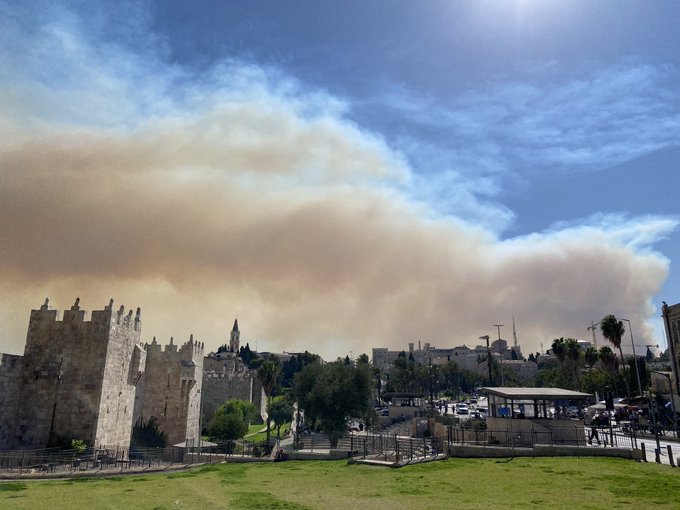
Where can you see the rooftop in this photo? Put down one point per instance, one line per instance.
(537, 393)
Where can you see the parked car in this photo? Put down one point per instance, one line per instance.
(574, 412)
(462, 409)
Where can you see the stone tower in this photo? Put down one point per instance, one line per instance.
(171, 389)
(234, 337)
(78, 377)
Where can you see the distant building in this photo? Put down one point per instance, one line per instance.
(671, 318)
(466, 358)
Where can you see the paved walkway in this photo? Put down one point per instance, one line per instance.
(665, 444)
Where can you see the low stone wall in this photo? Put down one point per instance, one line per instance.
(470, 451)
(202, 458)
(320, 455)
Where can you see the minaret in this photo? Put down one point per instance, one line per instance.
(234, 337)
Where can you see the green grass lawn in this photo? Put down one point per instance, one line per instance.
(255, 435)
(455, 483)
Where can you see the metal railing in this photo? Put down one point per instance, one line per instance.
(529, 438)
(391, 447)
(403, 447)
(55, 460)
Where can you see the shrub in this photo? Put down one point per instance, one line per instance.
(78, 445)
(148, 434)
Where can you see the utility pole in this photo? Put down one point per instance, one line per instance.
(431, 374)
(632, 343)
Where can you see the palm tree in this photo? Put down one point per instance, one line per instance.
(268, 374)
(559, 349)
(613, 331)
(591, 356)
(573, 352)
(608, 359)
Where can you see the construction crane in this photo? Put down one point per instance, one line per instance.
(593, 327)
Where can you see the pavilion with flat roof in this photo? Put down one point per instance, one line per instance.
(506, 402)
(525, 413)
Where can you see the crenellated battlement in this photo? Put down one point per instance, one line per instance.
(92, 378)
(192, 349)
(172, 387)
(45, 315)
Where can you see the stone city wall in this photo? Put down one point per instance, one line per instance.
(171, 389)
(10, 375)
(218, 387)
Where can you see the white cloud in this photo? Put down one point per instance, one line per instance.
(495, 136)
(235, 192)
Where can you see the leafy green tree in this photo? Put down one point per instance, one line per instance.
(280, 410)
(247, 356)
(333, 393)
(469, 380)
(400, 377)
(363, 359)
(294, 365)
(450, 378)
(231, 420)
(552, 377)
(599, 380)
(268, 374)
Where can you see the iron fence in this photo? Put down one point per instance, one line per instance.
(404, 447)
(528, 438)
(55, 460)
(394, 447)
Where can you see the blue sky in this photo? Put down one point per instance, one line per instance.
(342, 175)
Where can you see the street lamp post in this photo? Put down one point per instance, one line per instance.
(488, 356)
(637, 370)
(431, 374)
(670, 388)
